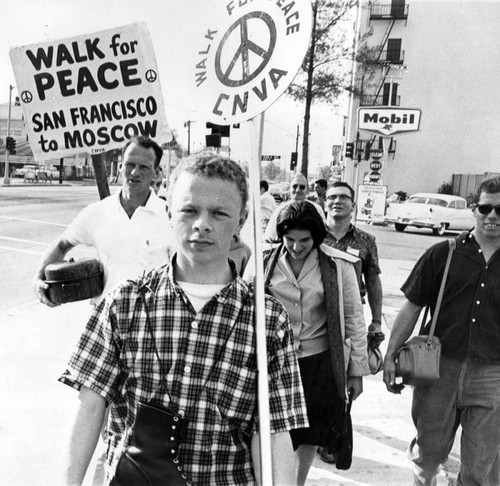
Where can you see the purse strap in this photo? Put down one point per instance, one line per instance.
(452, 243)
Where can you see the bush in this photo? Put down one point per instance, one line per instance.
(445, 188)
(403, 196)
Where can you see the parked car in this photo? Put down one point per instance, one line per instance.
(439, 212)
(35, 172)
(21, 172)
(280, 191)
(50, 170)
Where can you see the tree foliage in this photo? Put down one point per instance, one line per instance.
(271, 171)
(326, 71)
(326, 65)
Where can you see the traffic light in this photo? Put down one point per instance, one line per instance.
(368, 147)
(10, 144)
(349, 150)
(217, 132)
(293, 161)
(222, 130)
(212, 140)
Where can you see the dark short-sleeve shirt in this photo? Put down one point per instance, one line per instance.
(468, 324)
(209, 360)
(361, 244)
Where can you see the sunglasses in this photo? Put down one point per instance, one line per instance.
(487, 208)
(300, 186)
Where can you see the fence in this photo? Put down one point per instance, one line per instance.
(465, 184)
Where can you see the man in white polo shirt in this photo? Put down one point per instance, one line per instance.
(129, 230)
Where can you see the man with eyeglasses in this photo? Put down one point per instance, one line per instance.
(343, 235)
(468, 390)
(298, 192)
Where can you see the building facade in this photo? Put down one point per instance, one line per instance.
(438, 61)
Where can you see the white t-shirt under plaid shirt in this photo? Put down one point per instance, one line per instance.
(116, 359)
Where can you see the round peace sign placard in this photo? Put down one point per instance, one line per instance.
(249, 54)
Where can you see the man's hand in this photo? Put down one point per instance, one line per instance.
(55, 253)
(390, 375)
(41, 289)
(375, 327)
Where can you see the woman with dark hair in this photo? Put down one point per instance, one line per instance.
(319, 288)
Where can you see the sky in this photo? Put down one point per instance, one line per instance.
(176, 28)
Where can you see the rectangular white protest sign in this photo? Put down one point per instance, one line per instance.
(90, 93)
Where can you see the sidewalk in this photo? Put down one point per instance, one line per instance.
(36, 342)
(382, 426)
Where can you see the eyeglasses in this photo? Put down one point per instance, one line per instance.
(342, 197)
(487, 208)
(300, 186)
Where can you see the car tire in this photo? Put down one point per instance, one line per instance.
(399, 227)
(440, 230)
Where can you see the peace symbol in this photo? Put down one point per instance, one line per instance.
(26, 97)
(246, 47)
(151, 75)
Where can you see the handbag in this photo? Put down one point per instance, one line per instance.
(340, 443)
(152, 458)
(419, 358)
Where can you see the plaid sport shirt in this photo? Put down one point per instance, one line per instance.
(209, 360)
(361, 244)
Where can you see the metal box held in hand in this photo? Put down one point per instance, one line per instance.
(70, 281)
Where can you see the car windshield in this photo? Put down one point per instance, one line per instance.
(437, 202)
(417, 200)
(427, 200)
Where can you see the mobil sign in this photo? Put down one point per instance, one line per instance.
(388, 121)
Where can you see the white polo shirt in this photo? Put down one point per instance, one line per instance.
(126, 247)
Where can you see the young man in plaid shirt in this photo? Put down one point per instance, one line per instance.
(202, 315)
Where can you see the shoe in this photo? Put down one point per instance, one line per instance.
(325, 456)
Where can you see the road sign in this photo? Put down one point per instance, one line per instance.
(248, 56)
(269, 157)
(90, 93)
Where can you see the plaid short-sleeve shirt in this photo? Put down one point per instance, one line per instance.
(209, 360)
(361, 244)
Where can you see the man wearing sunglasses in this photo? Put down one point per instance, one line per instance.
(468, 390)
(298, 192)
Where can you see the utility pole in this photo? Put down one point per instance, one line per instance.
(188, 126)
(6, 178)
(297, 140)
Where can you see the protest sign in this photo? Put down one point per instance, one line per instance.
(90, 93)
(249, 54)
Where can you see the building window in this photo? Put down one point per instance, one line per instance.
(390, 94)
(394, 50)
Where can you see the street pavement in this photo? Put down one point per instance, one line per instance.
(35, 408)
